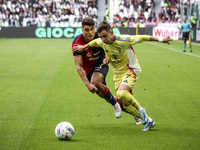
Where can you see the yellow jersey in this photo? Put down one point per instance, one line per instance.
(121, 54)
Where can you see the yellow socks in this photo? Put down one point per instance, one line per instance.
(126, 96)
(132, 110)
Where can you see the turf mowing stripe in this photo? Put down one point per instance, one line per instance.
(169, 48)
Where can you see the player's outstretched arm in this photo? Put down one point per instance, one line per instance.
(80, 48)
(165, 39)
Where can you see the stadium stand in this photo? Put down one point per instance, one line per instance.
(132, 11)
(170, 11)
(120, 13)
(173, 11)
(41, 13)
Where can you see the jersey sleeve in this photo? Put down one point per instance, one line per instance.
(139, 38)
(131, 40)
(74, 53)
(95, 43)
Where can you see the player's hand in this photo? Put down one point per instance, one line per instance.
(78, 48)
(166, 39)
(106, 61)
(92, 88)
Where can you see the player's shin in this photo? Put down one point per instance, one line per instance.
(184, 46)
(121, 105)
(132, 110)
(126, 107)
(108, 96)
(190, 48)
(126, 96)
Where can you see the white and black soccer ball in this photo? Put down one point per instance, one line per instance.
(64, 131)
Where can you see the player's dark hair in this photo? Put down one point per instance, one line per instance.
(88, 21)
(103, 26)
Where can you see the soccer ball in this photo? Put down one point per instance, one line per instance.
(64, 131)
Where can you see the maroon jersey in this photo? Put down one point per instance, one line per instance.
(91, 57)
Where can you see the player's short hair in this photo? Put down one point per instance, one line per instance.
(103, 26)
(88, 21)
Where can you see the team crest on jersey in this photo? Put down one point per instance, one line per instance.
(105, 46)
(89, 54)
(119, 49)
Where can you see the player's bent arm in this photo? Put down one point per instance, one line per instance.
(79, 66)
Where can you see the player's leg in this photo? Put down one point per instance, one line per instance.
(123, 92)
(187, 38)
(126, 107)
(184, 41)
(121, 105)
(132, 110)
(98, 78)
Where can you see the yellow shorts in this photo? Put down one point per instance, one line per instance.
(127, 78)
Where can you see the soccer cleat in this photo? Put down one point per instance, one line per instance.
(138, 121)
(143, 116)
(117, 110)
(149, 125)
(183, 50)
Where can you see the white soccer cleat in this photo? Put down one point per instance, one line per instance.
(117, 110)
(138, 121)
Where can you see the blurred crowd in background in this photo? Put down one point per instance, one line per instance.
(69, 13)
(62, 13)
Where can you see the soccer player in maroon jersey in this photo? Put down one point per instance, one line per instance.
(88, 65)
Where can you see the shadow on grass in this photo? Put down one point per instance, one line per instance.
(70, 141)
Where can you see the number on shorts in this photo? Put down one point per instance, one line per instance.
(128, 75)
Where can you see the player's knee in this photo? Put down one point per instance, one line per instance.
(121, 94)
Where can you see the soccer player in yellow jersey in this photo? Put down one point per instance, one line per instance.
(124, 62)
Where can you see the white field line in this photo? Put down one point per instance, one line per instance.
(172, 49)
(193, 43)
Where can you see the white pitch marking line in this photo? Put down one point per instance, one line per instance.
(198, 56)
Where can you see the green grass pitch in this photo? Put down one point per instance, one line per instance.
(40, 87)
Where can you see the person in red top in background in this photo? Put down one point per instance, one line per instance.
(88, 65)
